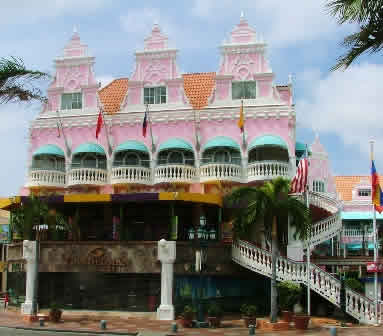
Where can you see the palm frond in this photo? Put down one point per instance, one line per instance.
(17, 83)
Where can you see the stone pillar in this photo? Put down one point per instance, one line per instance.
(167, 256)
(30, 254)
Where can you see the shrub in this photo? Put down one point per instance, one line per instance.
(214, 310)
(354, 284)
(248, 310)
(288, 293)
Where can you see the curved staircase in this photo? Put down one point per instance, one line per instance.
(259, 260)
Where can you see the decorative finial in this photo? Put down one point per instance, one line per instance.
(242, 15)
(290, 78)
(75, 30)
(156, 22)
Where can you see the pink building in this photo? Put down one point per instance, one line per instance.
(127, 188)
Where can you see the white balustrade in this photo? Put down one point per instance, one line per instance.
(46, 178)
(221, 171)
(357, 234)
(88, 176)
(259, 260)
(175, 173)
(133, 174)
(267, 170)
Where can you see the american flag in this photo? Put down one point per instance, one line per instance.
(299, 182)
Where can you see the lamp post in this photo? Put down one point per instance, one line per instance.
(201, 237)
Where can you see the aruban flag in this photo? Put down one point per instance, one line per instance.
(99, 124)
(145, 123)
(299, 182)
(241, 120)
(377, 195)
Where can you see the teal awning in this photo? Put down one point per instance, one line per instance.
(300, 146)
(358, 246)
(359, 215)
(49, 150)
(268, 140)
(131, 145)
(221, 141)
(175, 143)
(89, 148)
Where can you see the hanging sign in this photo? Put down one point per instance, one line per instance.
(373, 267)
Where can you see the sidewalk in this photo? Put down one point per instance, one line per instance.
(231, 326)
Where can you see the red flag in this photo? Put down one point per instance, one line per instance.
(299, 181)
(145, 123)
(99, 124)
(377, 194)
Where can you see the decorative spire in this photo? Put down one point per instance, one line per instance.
(74, 29)
(242, 15)
(75, 47)
(290, 81)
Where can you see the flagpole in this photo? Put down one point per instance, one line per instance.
(243, 132)
(62, 131)
(150, 129)
(308, 246)
(375, 245)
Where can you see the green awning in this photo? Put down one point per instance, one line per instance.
(221, 141)
(358, 246)
(175, 143)
(359, 215)
(131, 145)
(49, 150)
(300, 146)
(89, 148)
(268, 140)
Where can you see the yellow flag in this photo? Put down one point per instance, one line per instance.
(241, 120)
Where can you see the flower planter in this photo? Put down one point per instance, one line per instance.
(287, 316)
(186, 323)
(301, 321)
(249, 320)
(214, 322)
(55, 315)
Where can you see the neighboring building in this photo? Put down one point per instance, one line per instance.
(125, 191)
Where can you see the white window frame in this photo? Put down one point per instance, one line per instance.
(155, 87)
(245, 81)
(73, 94)
(366, 191)
(317, 184)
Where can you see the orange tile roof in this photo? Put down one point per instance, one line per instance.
(198, 88)
(113, 94)
(345, 184)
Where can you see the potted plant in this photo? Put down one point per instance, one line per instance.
(214, 316)
(55, 313)
(249, 314)
(301, 321)
(187, 316)
(289, 293)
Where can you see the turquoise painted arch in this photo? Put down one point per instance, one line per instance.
(89, 148)
(49, 150)
(131, 145)
(175, 143)
(268, 140)
(221, 141)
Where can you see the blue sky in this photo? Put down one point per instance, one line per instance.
(342, 107)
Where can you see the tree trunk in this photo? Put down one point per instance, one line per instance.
(274, 256)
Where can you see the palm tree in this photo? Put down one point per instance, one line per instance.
(368, 15)
(17, 83)
(269, 205)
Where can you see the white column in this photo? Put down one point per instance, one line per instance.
(167, 256)
(30, 254)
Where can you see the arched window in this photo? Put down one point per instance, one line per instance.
(222, 156)
(175, 157)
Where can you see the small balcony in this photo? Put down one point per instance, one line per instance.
(180, 173)
(131, 174)
(267, 170)
(46, 178)
(221, 171)
(87, 176)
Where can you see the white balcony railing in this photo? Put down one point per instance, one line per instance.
(357, 233)
(87, 176)
(267, 170)
(221, 171)
(139, 175)
(46, 178)
(175, 173)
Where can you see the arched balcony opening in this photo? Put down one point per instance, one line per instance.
(221, 160)
(268, 158)
(131, 164)
(47, 168)
(175, 162)
(89, 165)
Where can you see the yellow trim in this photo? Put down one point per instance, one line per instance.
(6, 202)
(78, 198)
(191, 197)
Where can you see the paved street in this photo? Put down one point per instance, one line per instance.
(11, 332)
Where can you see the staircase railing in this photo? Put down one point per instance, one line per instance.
(326, 285)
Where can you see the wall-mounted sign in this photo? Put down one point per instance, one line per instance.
(373, 267)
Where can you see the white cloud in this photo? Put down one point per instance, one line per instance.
(283, 23)
(345, 103)
(27, 11)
